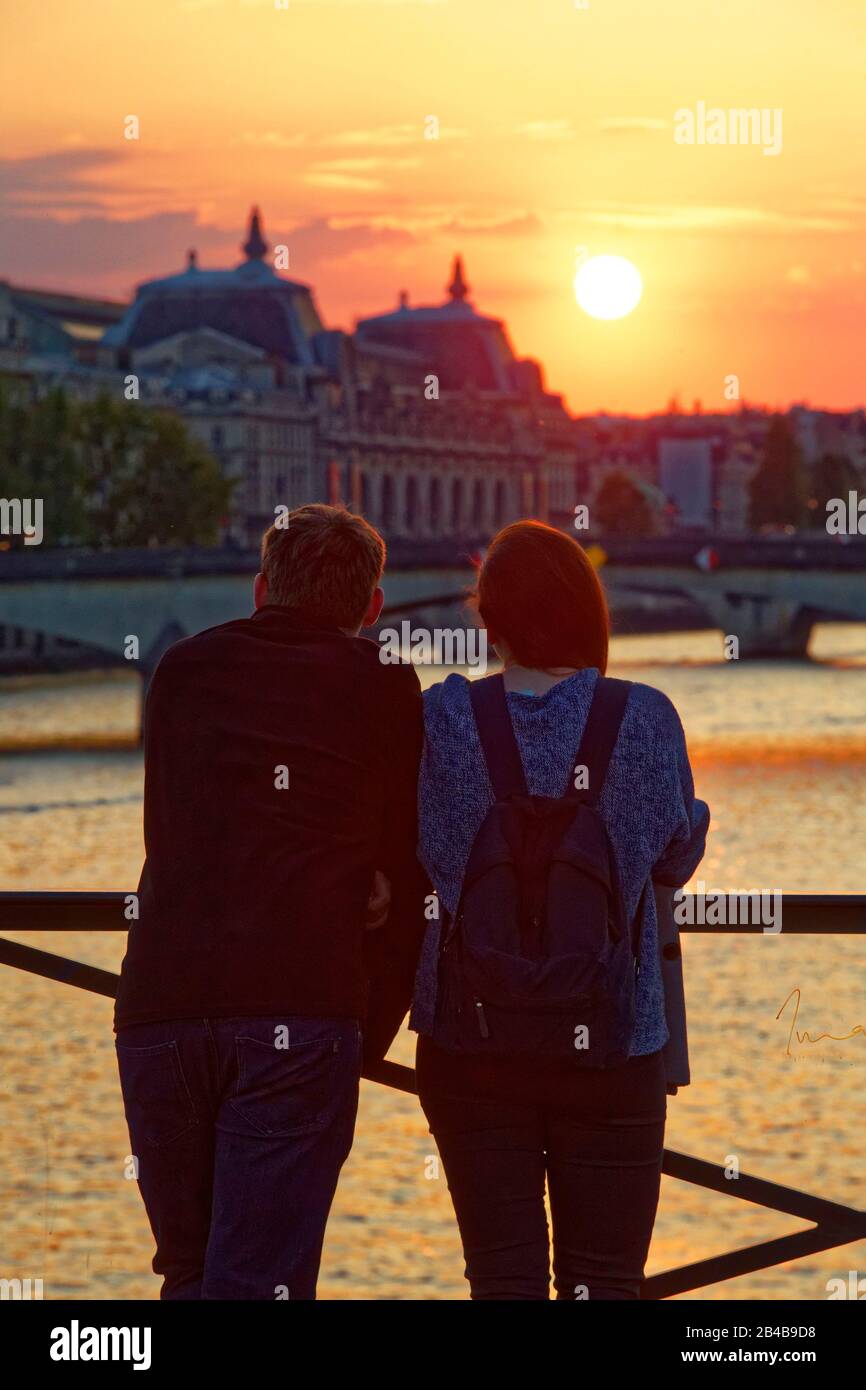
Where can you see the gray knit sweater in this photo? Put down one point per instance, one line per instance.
(657, 827)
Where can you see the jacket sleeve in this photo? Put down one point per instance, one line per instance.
(676, 1049)
(674, 867)
(392, 951)
(685, 848)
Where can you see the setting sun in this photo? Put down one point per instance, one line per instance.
(608, 287)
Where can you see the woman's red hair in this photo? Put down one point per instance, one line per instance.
(537, 589)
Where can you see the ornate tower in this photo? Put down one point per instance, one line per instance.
(458, 289)
(255, 247)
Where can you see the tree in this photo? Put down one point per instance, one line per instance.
(13, 450)
(777, 493)
(622, 508)
(55, 467)
(37, 456)
(109, 472)
(834, 475)
(175, 495)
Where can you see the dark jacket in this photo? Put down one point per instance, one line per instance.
(253, 894)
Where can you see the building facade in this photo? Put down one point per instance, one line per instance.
(423, 418)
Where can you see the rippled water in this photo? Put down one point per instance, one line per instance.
(779, 751)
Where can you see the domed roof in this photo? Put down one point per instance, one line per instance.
(462, 347)
(250, 302)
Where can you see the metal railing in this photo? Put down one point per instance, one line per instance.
(802, 914)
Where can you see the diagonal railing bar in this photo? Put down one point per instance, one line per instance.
(833, 1224)
(750, 1260)
(96, 981)
(759, 1190)
(60, 968)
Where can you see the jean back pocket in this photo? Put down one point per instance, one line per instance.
(156, 1097)
(284, 1090)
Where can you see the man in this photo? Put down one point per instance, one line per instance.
(281, 761)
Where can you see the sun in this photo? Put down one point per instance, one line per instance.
(608, 287)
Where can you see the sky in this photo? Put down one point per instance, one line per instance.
(560, 136)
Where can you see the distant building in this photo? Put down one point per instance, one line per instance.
(821, 432)
(45, 334)
(686, 479)
(733, 498)
(423, 418)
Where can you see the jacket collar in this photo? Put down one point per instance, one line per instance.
(293, 617)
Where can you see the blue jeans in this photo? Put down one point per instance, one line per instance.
(240, 1127)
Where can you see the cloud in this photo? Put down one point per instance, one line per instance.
(358, 173)
(526, 225)
(625, 125)
(388, 135)
(562, 128)
(365, 163)
(65, 181)
(842, 204)
(59, 172)
(104, 255)
(270, 139)
(289, 4)
(546, 130)
(326, 239)
(671, 217)
(101, 251)
(354, 182)
(322, 3)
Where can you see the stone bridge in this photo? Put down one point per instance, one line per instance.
(767, 592)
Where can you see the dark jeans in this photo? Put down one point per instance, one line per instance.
(503, 1128)
(240, 1127)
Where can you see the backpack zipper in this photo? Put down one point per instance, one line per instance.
(482, 1020)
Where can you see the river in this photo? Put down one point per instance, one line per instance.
(779, 751)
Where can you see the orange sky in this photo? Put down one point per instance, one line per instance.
(556, 131)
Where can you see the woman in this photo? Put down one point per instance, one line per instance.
(507, 1125)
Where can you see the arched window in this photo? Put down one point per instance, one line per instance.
(478, 504)
(411, 502)
(435, 505)
(499, 503)
(386, 510)
(456, 504)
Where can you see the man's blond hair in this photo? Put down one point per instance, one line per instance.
(324, 560)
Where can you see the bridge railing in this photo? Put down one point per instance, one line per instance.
(804, 550)
(832, 1225)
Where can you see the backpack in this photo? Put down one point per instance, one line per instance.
(540, 958)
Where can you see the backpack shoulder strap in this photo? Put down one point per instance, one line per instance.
(600, 735)
(496, 732)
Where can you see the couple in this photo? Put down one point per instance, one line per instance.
(309, 820)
